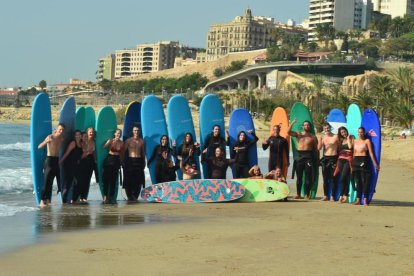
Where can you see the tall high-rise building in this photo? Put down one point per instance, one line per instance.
(341, 14)
(395, 7)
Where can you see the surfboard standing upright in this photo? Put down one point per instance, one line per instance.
(90, 118)
(336, 118)
(281, 119)
(105, 128)
(67, 117)
(153, 127)
(80, 118)
(371, 123)
(40, 127)
(211, 114)
(240, 120)
(180, 121)
(132, 118)
(301, 113)
(354, 119)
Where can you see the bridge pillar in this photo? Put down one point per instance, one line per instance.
(260, 80)
(251, 83)
(240, 84)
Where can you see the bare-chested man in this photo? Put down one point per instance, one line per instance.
(51, 166)
(134, 177)
(329, 142)
(305, 157)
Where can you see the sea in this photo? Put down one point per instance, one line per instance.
(23, 223)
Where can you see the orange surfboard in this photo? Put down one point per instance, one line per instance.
(281, 118)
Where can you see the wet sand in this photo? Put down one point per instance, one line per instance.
(293, 237)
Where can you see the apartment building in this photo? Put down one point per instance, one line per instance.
(395, 7)
(341, 14)
(106, 68)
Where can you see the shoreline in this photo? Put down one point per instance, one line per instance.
(244, 238)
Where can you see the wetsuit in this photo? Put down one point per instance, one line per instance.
(241, 167)
(87, 166)
(71, 167)
(304, 164)
(157, 156)
(110, 174)
(217, 166)
(51, 170)
(165, 171)
(135, 178)
(212, 142)
(328, 164)
(343, 170)
(184, 151)
(279, 147)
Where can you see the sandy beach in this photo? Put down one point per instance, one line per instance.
(294, 237)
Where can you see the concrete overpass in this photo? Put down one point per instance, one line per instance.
(256, 76)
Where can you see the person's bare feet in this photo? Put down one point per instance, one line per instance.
(325, 198)
(42, 204)
(307, 197)
(298, 197)
(340, 200)
(345, 199)
(357, 202)
(365, 202)
(332, 199)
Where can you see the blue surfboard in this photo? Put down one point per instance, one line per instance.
(80, 119)
(67, 117)
(371, 123)
(180, 122)
(336, 118)
(353, 118)
(40, 128)
(132, 118)
(211, 114)
(153, 127)
(241, 120)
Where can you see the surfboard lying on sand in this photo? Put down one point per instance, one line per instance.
(153, 127)
(301, 113)
(195, 191)
(105, 128)
(353, 118)
(180, 122)
(40, 128)
(371, 123)
(281, 119)
(241, 120)
(260, 190)
(211, 114)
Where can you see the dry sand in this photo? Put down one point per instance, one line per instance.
(261, 239)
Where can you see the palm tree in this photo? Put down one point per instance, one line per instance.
(404, 83)
(381, 87)
(300, 89)
(343, 102)
(325, 32)
(364, 100)
(404, 115)
(318, 85)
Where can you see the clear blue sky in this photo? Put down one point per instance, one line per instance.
(55, 40)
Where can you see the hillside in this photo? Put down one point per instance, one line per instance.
(205, 69)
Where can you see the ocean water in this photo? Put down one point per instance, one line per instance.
(23, 223)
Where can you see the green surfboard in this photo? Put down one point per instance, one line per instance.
(105, 128)
(260, 190)
(301, 113)
(89, 117)
(80, 119)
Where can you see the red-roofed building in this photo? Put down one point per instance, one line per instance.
(311, 57)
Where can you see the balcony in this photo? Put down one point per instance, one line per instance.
(125, 55)
(147, 59)
(125, 59)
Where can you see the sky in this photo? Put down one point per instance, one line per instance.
(55, 40)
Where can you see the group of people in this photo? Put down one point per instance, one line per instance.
(343, 157)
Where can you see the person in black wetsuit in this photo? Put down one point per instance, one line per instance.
(158, 150)
(134, 179)
(165, 168)
(111, 167)
(217, 163)
(279, 149)
(183, 152)
(241, 147)
(329, 143)
(87, 166)
(306, 158)
(213, 141)
(343, 168)
(361, 167)
(70, 161)
(51, 165)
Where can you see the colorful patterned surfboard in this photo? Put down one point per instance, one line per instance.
(259, 190)
(195, 190)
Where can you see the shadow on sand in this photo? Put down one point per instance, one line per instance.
(391, 203)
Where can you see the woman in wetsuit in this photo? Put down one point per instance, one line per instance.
(213, 141)
(361, 169)
(70, 161)
(343, 168)
(87, 166)
(241, 147)
(157, 153)
(188, 151)
(217, 163)
(165, 168)
(111, 167)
